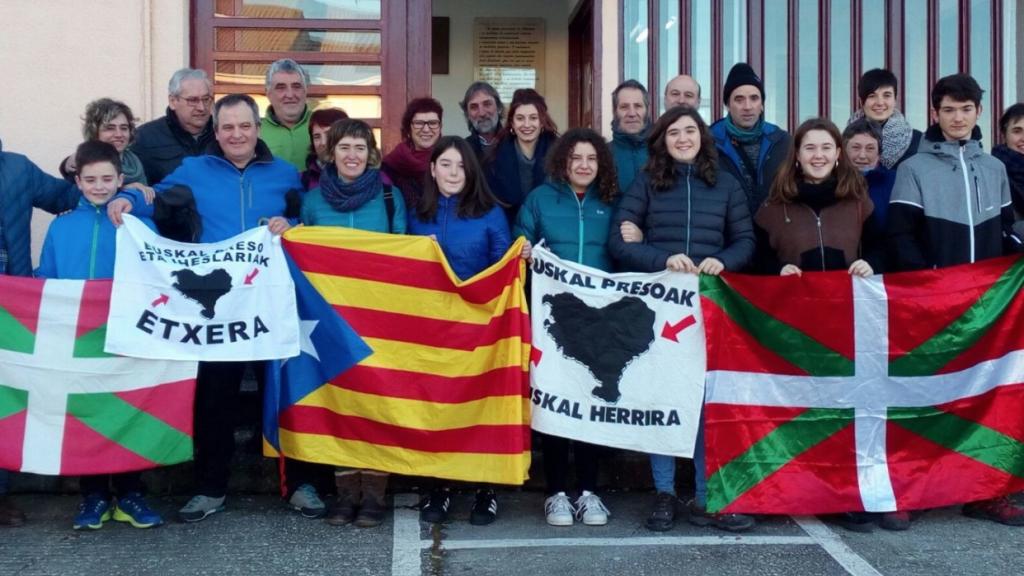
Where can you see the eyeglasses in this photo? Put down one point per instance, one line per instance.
(431, 124)
(195, 101)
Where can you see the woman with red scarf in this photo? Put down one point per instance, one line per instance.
(407, 164)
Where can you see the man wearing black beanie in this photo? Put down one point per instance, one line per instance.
(748, 147)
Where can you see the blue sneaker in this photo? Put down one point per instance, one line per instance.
(132, 508)
(92, 512)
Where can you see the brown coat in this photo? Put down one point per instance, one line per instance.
(792, 232)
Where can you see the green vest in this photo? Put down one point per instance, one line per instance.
(288, 144)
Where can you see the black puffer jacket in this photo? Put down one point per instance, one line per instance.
(691, 218)
(162, 144)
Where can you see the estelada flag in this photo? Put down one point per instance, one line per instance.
(69, 408)
(446, 391)
(827, 393)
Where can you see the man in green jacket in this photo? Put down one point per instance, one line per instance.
(285, 128)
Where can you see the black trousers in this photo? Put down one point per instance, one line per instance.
(217, 407)
(556, 464)
(123, 483)
(216, 416)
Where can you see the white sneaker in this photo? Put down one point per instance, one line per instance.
(591, 510)
(558, 510)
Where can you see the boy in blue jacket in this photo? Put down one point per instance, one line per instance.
(80, 245)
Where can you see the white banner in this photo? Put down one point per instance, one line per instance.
(619, 359)
(231, 300)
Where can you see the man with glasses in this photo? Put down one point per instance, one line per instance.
(185, 130)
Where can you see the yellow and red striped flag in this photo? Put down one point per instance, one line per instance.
(445, 392)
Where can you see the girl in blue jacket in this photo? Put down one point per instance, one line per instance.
(572, 213)
(460, 213)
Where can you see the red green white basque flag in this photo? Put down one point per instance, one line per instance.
(827, 393)
(67, 407)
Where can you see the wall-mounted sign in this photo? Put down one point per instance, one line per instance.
(508, 53)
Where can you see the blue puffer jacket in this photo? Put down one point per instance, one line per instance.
(24, 186)
(230, 201)
(470, 244)
(573, 229)
(80, 245)
(372, 216)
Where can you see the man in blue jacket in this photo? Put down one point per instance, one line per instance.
(748, 147)
(237, 185)
(24, 186)
(630, 124)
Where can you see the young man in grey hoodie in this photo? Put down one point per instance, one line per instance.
(951, 205)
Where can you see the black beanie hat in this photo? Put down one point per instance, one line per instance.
(741, 75)
(873, 80)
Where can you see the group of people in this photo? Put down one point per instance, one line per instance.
(740, 195)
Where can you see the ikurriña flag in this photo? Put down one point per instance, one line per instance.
(830, 393)
(445, 392)
(69, 408)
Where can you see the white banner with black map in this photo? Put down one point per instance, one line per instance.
(229, 300)
(618, 359)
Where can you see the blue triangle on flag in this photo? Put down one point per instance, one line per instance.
(328, 347)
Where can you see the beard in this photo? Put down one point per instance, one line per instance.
(485, 125)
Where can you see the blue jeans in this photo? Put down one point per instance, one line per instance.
(663, 469)
(5, 481)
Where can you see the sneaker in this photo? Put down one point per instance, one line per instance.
(895, 521)
(132, 508)
(558, 510)
(92, 512)
(434, 508)
(663, 516)
(200, 507)
(308, 502)
(861, 522)
(485, 509)
(591, 510)
(699, 516)
(1000, 510)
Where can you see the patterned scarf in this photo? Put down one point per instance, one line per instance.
(348, 196)
(745, 135)
(896, 136)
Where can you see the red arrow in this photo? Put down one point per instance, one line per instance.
(670, 331)
(535, 354)
(161, 300)
(251, 275)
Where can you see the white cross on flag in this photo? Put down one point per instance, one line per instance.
(69, 408)
(828, 393)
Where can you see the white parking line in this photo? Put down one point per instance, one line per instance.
(835, 547)
(638, 541)
(405, 552)
(407, 547)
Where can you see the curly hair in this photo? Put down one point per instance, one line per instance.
(419, 106)
(557, 167)
(101, 112)
(661, 166)
(354, 129)
(849, 180)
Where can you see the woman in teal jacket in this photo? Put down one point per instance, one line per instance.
(351, 192)
(572, 213)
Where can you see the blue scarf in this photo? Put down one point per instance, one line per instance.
(743, 135)
(348, 196)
